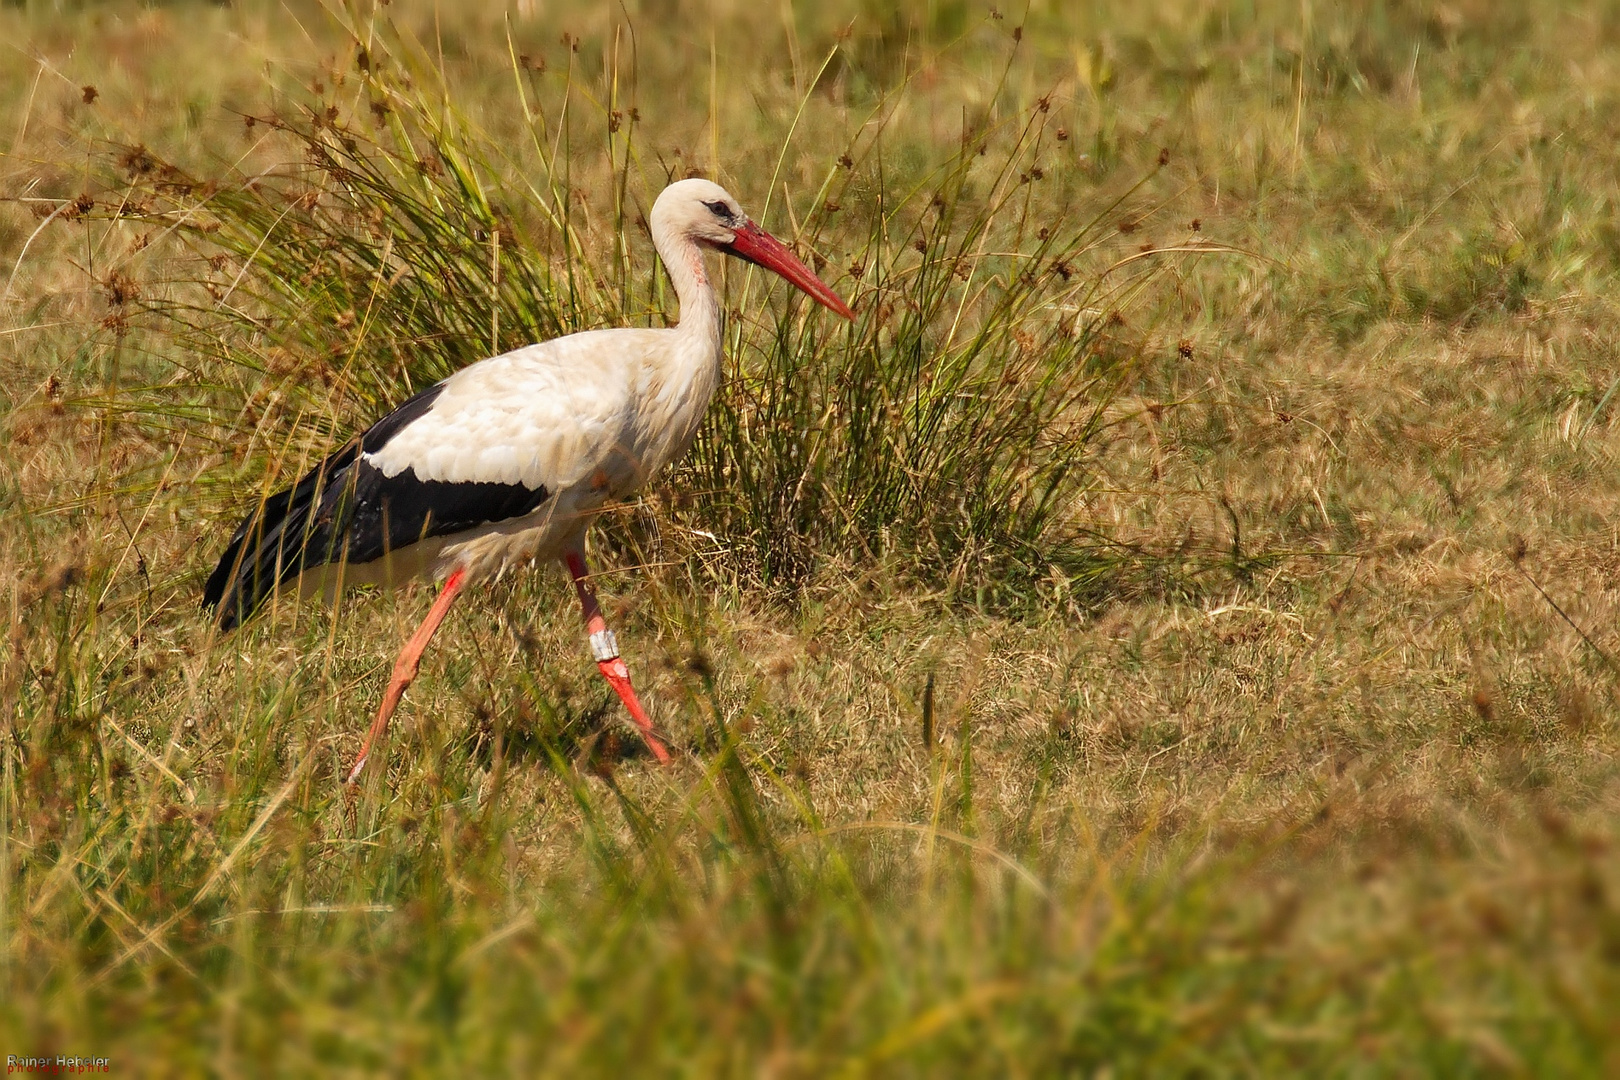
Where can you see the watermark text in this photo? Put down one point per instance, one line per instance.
(56, 1065)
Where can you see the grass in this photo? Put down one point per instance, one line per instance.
(1148, 666)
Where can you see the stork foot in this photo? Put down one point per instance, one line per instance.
(618, 677)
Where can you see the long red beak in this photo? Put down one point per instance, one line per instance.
(753, 244)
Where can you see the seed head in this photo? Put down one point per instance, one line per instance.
(120, 289)
(136, 161)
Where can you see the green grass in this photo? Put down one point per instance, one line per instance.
(1094, 661)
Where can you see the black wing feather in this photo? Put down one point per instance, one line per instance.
(346, 510)
(270, 519)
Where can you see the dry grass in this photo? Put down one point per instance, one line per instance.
(1325, 784)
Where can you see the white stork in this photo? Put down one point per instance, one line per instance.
(509, 459)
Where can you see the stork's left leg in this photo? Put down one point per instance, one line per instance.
(606, 651)
(405, 667)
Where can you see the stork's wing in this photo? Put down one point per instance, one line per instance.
(492, 442)
(545, 416)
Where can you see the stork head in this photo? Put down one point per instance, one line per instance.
(704, 213)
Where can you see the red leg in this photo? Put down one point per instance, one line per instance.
(606, 651)
(405, 667)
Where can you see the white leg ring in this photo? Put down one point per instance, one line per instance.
(604, 646)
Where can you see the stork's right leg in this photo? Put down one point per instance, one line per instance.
(606, 651)
(405, 667)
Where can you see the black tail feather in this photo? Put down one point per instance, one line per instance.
(276, 542)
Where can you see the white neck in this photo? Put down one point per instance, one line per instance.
(700, 309)
(681, 375)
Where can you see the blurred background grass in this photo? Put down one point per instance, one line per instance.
(1127, 649)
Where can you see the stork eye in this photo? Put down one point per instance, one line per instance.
(719, 210)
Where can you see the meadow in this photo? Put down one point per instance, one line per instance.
(1171, 631)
